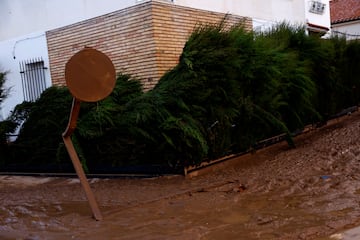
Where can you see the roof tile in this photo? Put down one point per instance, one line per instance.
(344, 10)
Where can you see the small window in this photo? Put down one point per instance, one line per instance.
(33, 78)
(317, 7)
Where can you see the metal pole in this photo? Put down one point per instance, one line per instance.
(75, 159)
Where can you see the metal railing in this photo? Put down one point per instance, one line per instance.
(33, 78)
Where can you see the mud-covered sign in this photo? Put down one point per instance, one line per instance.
(90, 77)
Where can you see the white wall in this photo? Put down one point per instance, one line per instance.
(351, 30)
(274, 10)
(318, 19)
(23, 48)
(20, 17)
(265, 12)
(22, 33)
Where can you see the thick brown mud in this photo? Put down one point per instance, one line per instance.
(310, 192)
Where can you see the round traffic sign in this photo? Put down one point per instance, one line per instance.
(90, 75)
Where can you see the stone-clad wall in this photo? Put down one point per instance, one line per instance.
(145, 40)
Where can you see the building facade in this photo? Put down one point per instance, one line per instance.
(23, 44)
(345, 18)
(144, 40)
(142, 37)
(313, 13)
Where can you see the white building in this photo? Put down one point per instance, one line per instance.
(265, 13)
(345, 18)
(23, 46)
(23, 41)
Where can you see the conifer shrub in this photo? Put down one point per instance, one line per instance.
(230, 89)
(40, 145)
(350, 74)
(6, 126)
(44, 120)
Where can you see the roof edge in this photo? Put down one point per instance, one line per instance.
(318, 27)
(346, 20)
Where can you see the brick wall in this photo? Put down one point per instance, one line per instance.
(145, 40)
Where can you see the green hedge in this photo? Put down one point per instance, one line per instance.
(230, 89)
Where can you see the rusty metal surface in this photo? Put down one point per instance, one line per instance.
(75, 109)
(83, 180)
(75, 159)
(90, 75)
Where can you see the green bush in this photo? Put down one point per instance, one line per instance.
(230, 89)
(40, 135)
(40, 142)
(6, 126)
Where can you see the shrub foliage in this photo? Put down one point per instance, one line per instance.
(6, 126)
(230, 89)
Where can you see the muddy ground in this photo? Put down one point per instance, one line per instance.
(310, 192)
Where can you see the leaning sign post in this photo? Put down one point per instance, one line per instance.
(90, 77)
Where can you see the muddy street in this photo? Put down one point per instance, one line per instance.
(310, 192)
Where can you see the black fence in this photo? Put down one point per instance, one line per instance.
(33, 78)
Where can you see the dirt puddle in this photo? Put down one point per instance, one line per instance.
(310, 192)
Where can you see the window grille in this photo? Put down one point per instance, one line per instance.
(317, 7)
(33, 78)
